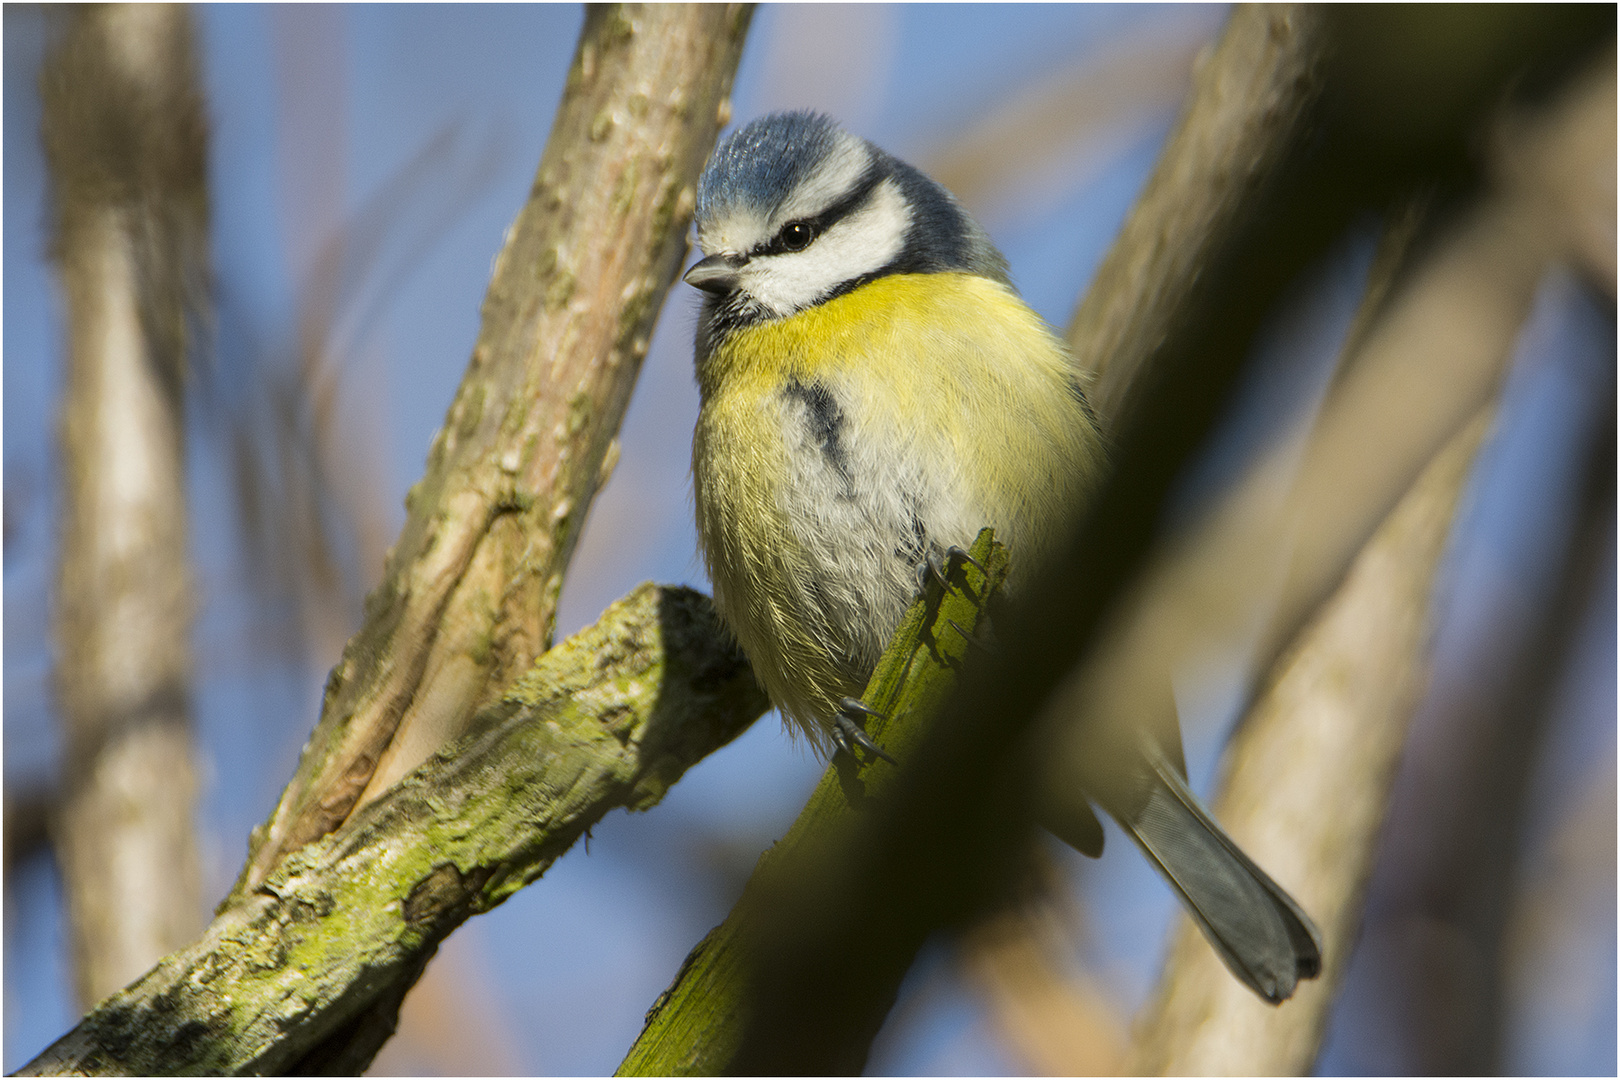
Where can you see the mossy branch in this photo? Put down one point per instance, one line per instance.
(306, 965)
(696, 1027)
(305, 974)
(470, 588)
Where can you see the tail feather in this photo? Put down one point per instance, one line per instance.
(1256, 927)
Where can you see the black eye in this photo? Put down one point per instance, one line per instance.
(796, 235)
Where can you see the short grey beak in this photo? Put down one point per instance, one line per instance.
(717, 273)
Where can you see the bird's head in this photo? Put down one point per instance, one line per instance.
(792, 211)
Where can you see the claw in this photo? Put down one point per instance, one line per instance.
(967, 557)
(973, 640)
(850, 736)
(929, 567)
(934, 565)
(855, 705)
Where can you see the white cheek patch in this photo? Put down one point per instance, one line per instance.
(864, 241)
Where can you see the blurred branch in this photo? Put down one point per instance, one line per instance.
(936, 853)
(126, 143)
(939, 851)
(1054, 1021)
(1458, 825)
(29, 809)
(1330, 730)
(1438, 353)
(1502, 791)
(1565, 152)
(470, 588)
(1561, 987)
(1327, 733)
(695, 1028)
(1252, 94)
(306, 974)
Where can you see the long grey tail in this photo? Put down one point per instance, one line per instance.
(1256, 927)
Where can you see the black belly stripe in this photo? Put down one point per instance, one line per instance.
(826, 423)
(1078, 392)
(914, 550)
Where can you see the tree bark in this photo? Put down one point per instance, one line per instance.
(1329, 730)
(125, 140)
(697, 1026)
(469, 593)
(307, 972)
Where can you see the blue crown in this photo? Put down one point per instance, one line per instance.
(760, 163)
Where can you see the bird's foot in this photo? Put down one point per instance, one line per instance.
(935, 566)
(850, 736)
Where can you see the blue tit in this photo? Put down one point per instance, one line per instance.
(874, 392)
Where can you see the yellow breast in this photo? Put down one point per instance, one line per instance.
(836, 445)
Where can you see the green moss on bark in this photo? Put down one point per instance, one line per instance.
(292, 975)
(695, 1027)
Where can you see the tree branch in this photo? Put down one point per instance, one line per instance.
(1330, 729)
(696, 1027)
(944, 845)
(470, 589)
(686, 1032)
(935, 855)
(308, 960)
(305, 973)
(1251, 95)
(125, 138)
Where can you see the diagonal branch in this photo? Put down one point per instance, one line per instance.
(306, 973)
(696, 1027)
(470, 589)
(1330, 728)
(1251, 100)
(1328, 733)
(311, 954)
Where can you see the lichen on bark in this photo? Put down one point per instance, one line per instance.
(320, 954)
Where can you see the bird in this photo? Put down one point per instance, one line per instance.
(874, 391)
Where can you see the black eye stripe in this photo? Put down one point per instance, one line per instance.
(827, 218)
